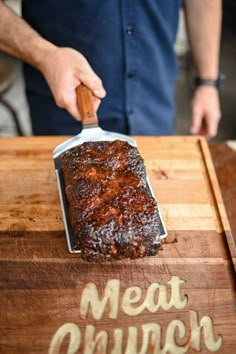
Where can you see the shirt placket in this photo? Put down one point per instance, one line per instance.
(130, 37)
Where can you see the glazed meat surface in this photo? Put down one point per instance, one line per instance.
(112, 212)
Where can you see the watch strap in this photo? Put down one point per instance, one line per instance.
(217, 83)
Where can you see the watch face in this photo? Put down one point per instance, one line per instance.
(221, 80)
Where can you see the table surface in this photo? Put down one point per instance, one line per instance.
(182, 300)
(224, 159)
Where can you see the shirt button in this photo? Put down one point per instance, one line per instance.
(130, 75)
(130, 30)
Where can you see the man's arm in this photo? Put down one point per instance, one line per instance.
(203, 20)
(63, 68)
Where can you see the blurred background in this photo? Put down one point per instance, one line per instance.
(14, 112)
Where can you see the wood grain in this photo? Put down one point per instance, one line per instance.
(224, 158)
(41, 283)
(85, 103)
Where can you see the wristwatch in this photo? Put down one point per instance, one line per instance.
(218, 83)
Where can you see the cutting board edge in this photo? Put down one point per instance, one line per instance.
(218, 199)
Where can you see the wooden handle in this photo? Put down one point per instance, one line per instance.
(85, 102)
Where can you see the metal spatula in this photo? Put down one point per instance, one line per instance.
(90, 132)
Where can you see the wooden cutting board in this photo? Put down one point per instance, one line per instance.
(182, 301)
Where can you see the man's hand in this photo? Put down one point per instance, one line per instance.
(64, 70)
(203, 20)
(206, 111)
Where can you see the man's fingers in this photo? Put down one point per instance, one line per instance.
(96, 103)
(205, 123)
(212, 121)
(206, 111)
(71, 69)
(74, 111)
(69, 102)
(91, 80)
(196, 122)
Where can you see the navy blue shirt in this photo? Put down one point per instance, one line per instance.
(129, 44)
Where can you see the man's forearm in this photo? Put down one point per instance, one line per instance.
(17, 38)
(203, 19)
